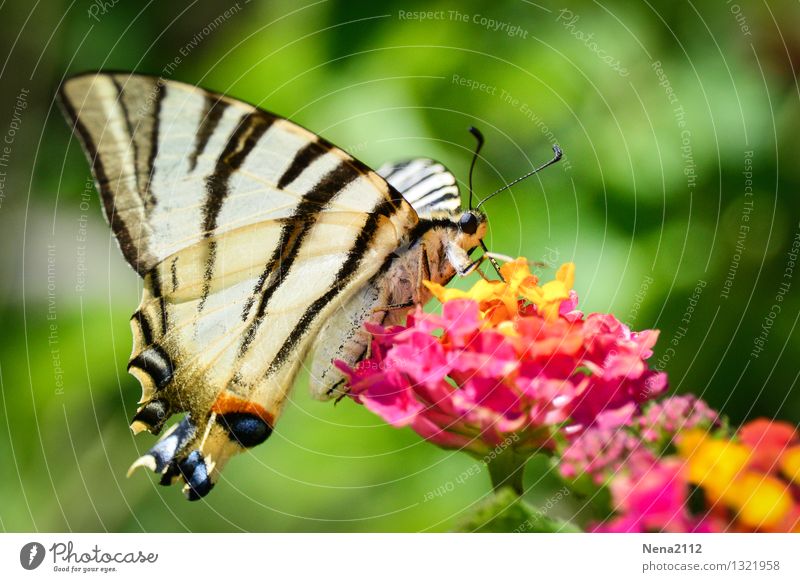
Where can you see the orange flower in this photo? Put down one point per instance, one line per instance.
(762, 501)
(730, 473)
(790, 464)
(549, 296)
(713, 463)
(769, 440)
(498, 301)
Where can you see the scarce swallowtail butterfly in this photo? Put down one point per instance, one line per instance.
(258, 242)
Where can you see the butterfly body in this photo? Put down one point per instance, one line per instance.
(385, 299)
(257, 241)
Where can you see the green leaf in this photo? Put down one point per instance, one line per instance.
(504, 512)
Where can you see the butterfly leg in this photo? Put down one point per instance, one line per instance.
(471, 266)
(424, 273)
(393, 307)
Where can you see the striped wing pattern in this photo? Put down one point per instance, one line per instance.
(248, 231)
(426, 184)
(433, 192)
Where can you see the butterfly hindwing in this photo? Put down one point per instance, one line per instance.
(426, 184)
(249, 232)
(433, 192)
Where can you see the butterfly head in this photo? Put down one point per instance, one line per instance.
(472, 227)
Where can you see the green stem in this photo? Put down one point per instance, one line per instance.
(506, 470)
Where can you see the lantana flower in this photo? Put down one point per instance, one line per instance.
(744, 479)
(626, 440)
(654, 498)
(500, 301)
(737, 492)
(504, 358)
(514, 366)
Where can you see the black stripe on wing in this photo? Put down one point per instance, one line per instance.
(144, 153)
(426, 184)
(129, 250)
(155, 361)
(302, 159)
(214, 108)
(241, 142)
(159, 91)
(291, 239)
(344, 276)
(290, 235)
(129, 126)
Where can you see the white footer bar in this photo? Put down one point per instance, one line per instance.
(402, 557)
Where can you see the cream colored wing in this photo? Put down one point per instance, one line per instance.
(433, 192)
(248, 230)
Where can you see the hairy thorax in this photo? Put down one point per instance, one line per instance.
(424, 260)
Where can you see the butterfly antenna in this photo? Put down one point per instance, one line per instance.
(557, 156)
(479, 137)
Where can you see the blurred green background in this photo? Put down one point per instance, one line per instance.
(667, 112)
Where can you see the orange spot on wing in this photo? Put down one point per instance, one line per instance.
(227, 403)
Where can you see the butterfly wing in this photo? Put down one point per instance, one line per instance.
(426, 184)
(248, 231)
(433, 192)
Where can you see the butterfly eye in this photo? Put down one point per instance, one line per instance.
(468, 223)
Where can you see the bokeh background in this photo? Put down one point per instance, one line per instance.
(678, 200)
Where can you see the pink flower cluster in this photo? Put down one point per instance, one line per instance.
(622, 449)
(512, 363)
(653, 497)
(624, 439)
(601, 451)
(664, 419)
(463, 381)
(652, 461)
(741, 482)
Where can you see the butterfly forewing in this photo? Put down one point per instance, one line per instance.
(249, 231)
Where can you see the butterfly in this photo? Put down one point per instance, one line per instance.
(258, 242)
